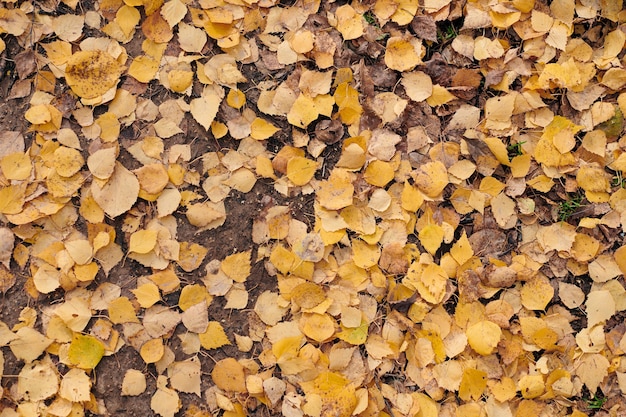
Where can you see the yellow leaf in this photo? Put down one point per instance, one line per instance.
(121, 311)
(190, 256)
(67, 161)
(143, 68)
(16, 166)
(191, 295)
(237, 266)
(75, 386)
(431, 178)
(204, 109)
(37, 381)
(147, 294)
(143, 241)
(379, 173)
(462, 251)
(439, 96)
(431, 237)
(349, 22)
(261, 129)
(473, 384)
(179, 80)
(120, 192)
(432, 283)
(85, 351)
(214, 337)
(483, 336)
(90, 74)
(537, 293)
(319, 327)
(235, 98)
(308, 295)
(301, 170)
(336, 393)
(302, 112)
(531, 386)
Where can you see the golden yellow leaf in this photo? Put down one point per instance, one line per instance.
(67, 161)
(379, 173)
(214, 337)
(483, 336)
(335, 392)
(303, 111)
(431, 237)
(531, 386)
(261, 129)
(121, 311)
(143, 68)
(237, 266)
(143, 241)
(90, 74)
(147, 294)
(462, 251)
(235, 98)
(349, 22)
(301, 170)
(537, 293)
(319, 327)
(473, 384)
(432, 283)
(16, 166)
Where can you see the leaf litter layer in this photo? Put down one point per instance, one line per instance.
(430, 199)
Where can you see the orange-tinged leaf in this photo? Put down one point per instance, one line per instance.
(403, 54)
(228, 374)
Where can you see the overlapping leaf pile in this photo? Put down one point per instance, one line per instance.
(478, 177)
